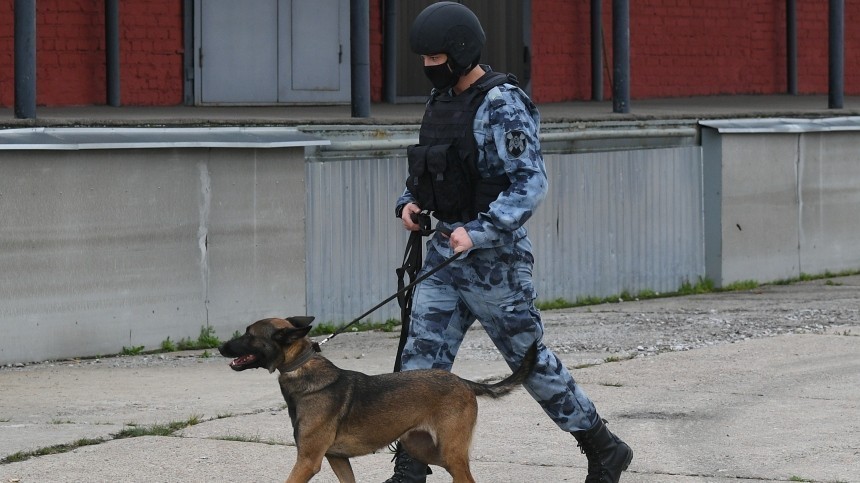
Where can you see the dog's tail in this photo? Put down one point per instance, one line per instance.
(511, 382)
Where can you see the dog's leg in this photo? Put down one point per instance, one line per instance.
(342, 469)
(455, 439)
(307, 465)
(460, 471)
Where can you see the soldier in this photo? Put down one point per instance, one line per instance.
(478, 169)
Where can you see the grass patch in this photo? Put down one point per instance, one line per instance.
(55, 449)
(619, 358)
(740, 285)
(205, 340)
(132, 351)
(806, 277)
(167, 345)
(156, 429)
(330, 328)
(702, 286)
(798, 478)
(611, 384)
(133, 431)
(249, 439)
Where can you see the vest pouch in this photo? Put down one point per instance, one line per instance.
(452, 185)
(418, 183)
(439, 180)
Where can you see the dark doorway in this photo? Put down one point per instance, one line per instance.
(507, 24)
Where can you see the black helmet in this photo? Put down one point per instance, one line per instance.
(448, 28)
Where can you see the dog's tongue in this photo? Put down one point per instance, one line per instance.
(241, 361)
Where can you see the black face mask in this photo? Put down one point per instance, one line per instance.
(441, 76)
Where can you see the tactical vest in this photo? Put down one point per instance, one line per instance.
(443, 171)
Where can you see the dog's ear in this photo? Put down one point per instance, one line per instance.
(301, 320)
(287, 336)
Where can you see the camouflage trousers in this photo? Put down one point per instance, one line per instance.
(493, 286)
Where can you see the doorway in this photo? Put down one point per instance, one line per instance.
(270, 52)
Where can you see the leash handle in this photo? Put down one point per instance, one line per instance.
(422, 219)
(418, 280)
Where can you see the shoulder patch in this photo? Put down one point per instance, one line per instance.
(495, 97)
(515, 143)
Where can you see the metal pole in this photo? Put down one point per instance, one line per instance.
(621, 56)
(791, 45)
(596, 50)
(389, 50)
(359, 27)
(112, 51)
(25, 59)
(836, 54)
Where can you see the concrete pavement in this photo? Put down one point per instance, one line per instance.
(781, 408)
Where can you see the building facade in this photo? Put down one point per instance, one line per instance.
(283, 52)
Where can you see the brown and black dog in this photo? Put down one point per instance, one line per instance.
(339, 414)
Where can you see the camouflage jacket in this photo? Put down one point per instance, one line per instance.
(506, 128)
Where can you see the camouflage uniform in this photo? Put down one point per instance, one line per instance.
(493, 281)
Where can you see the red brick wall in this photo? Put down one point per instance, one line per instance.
(560, 51)
(70, 52)
(376, 24)
(690, 47)
(7, 53)
(678, 48)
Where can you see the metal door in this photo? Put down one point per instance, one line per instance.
(315, 64)
(268, 52)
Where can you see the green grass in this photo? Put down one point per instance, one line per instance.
(132, 351)
(249, 439)
(741, 285)
(156, 429)
(330, 328)
(702, 286)
(206, 340)
(806, 277)
(55, 449)
(619, 358)
(132, 431)
(167, 345)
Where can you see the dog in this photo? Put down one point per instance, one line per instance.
(339, 414)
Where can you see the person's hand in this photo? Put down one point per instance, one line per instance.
(406, 217)
(460, 240)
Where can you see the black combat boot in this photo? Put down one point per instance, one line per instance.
(407, 469)
(607, 455)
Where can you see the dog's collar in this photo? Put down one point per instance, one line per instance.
(300, 360)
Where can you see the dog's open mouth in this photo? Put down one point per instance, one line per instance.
(242, 361)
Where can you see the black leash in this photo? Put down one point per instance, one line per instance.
(405, 292)
(411, 266)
